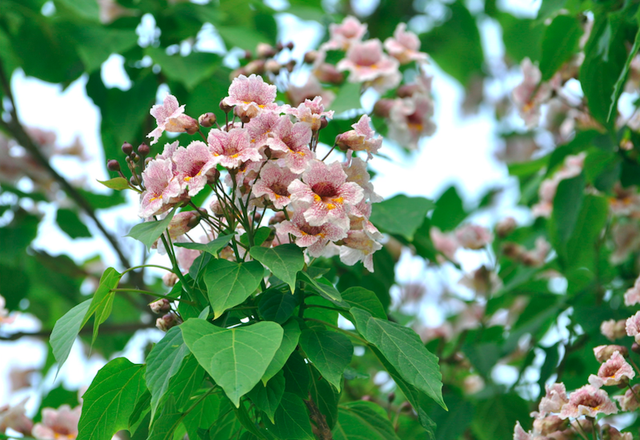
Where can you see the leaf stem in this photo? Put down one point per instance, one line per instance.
(157, 295)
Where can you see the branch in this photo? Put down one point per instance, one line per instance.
(20, 134)
(116, 328)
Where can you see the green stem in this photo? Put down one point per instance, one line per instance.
(176, 269)
(157, 295)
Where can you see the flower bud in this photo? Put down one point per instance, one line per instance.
(329, 74)
(512, 250)
(290, 45)
(264, 50)
(167, 321)
(255, 67)
(635, 348)
(212, 175)
(127, 148)
(383, 107)
(604, 352)
(310, 57)
(279, 46)
(323, 122)
(366, 398)
(291, 65)
(217, 208)
(506, 226)
(183, 222)
(133, 181)
(190, 125)
(113, 165)
(408, 90)
(169, 279)
(406, 406)
(272, 66)
(143, 149)
(135, 157)
(225, 108)
(207, 120)
(161, 306)
(391, 397)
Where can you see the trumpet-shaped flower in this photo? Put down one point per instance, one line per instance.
(314, 238)
(404, 46)
(161, 187)
(366, 62)
(613, 372)
(170, 117)
(251, 95)
(588, 401)
(312, 112)
(273, 183)
(344, 34)
(359, 246)
(60, 424)
(232, 148)
(290, 142)
(194, 165)
(361, 138)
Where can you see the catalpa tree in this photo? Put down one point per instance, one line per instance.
(254, 242)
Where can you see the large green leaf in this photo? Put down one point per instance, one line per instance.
(495, 417)
(149, 232)
(203, 415)
(449, 210)
(276, 305)
(364, 299)
(283, 261)
(110, 400)
(102, 300)
(566, 208)
(325, 396)
(86, 9)
(235, 358)
(167, 423)
(347, 98)
(163, 362)
(581, 247)
(330, 353)
(401, 214)
(66, 330)
(288, 345)
(96, 43)
(70, 223)
(267, 397)
(559, 44)
(184, 384)
(403, 349)
(324, 288)
(292, 420)
(189, 70)
(229, 284)
(363, 420)
(624, 75)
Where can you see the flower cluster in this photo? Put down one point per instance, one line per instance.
(269, 154)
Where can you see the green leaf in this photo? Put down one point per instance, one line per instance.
(347, 98)
(235, 358)
(495, 417)
(246, 38)
(96, 43)
(117, 183)
(559, 44)
(66, 330)
(297, 375)
(110, 400)
(276, 306)
(566, 207)
(203, 415)
(325, 397)
(401, 214)
(328, 351)
(213, 247)
(449, 210)
(403, 349)
(189, 70)
(324, 288)
(522, 38)
(71, 224)
(288, 345)
(267, 397)
(166, 424)
(605, 59)
(364, 299)
(149, 232)
(624, 75)
(291, 420)
(184, 384)
(229, 284)
(284, 261)
(581, 247)
(363, 420)
(102, 300)
(87, 9)
(163, 362)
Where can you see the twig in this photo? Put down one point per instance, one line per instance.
(117, 328)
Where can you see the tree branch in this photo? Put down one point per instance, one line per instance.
(115, 328)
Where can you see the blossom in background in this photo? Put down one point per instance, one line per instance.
(613, 372)
(404, 46)
(366, 61)
(342, 35)
(310, 90)
(361, 138)
(170, 117)
(473, 236)
(251, 96)
(572, 167)
(4, 313)
(14, 417)
(632, 296)
(588, 401)
(411, 119)
(531, 92)
(633, 327)
(447, 244)
(613, 329)
(60, 424)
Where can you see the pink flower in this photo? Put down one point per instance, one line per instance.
(404, 46)
(232, 148)
(520, 434)
(447, 244)
(324, 195)
(473, 236)
(633, 327)
(588, 401)
(604, 352)
(628, 401)
(60, 424)
(290, 143)
(549, 425)
(195, 166)
(553, 401)
(632, 296)
(251, 96)
(312, 113)
(357, 172)
(361, 138)
(273, 183)
(170, 117)
(530, 94)
(262, 127)
(183, 222)
(614, 371)
(359, 246)
(345, 33)
(537, 256)
(161, 188)
(366, 62)
(411, 119)
(311, 89)
(613, 329)
(14, 417)
(314, 238)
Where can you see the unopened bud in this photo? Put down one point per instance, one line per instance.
(408, 90)
(604, 352)
(310, 57)
(212, 175)
(391, 397)
(113, 165)
(217, 208)
(366, 398)
(143, 149)
(329, 74)
(290, 45)
(169, 279)
(225, 108)
(383, 107)
(127, 148)
(506, 226)
(279, 46)
(207, 120)
(133, 181)
(255, 67)
(135, 157)
(245, 118)
(182, 223)
(512, 250)
(167, 321)
(190, 125)
(291, 65)
(406, 406)
(161, 306)
(264, 50)
(272, 66)
(635, 348)
(323, 122)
